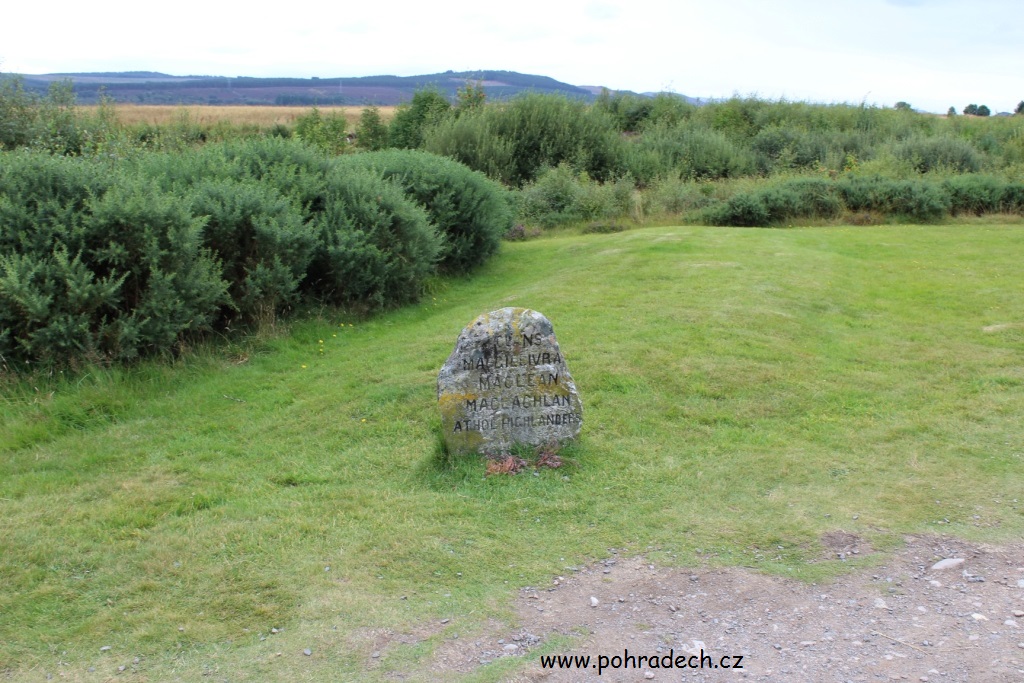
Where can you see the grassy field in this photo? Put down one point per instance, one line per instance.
(745, 391)
(264, 117)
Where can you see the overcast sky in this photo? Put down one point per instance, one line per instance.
(931, 53)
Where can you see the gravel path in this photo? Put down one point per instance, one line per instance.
(914, 618)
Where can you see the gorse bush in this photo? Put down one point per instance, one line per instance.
(974, 194)
(105, 262)
(262, 239)
(980, 194)
(98, 272)
(471, 212)
(375, 246)
(917, 201)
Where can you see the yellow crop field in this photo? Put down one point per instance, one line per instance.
(263, 116)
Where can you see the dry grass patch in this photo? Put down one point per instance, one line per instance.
(264, 116)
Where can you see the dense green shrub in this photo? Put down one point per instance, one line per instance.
(513, 141)
(689, 151)
(371, 133)
(97, 273)
(1012, 199)
(49, 122)
(375, 246)
(427, 108)
(939, 153)
(471, 212)
(629, 111)
(913, 200)
(815, 198)
(261, 239)
(744, 209)
(777, 203)
(560, 196)
(295, 170)
(553, 199)
(678, 195)
(974, 194)
(324, 132)
(107, 261)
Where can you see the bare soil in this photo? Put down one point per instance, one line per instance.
(901, 620)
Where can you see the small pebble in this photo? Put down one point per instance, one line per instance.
(273, 630)
(376, 655)
(948, 563)
(105, 648)
(121, 668)
(307, 652)
(648, 675)
(594, 602)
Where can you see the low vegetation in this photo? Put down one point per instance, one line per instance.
(745, 393)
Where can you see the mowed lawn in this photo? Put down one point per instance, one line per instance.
(745, 391)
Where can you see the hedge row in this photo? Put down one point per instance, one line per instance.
(920, 201)
(108, 262)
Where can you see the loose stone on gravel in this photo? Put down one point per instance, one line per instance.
(948, 563)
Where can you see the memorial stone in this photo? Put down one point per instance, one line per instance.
(506, 384)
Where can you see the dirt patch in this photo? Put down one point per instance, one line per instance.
(1002, 326)
(842, 544)
(902, 620)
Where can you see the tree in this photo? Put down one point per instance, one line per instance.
(371, 133)
(951, 112)
(1020, 108)
(903, 106)
(971, 110)
(984, 111)
(18, 112)
(470, 97)
(325, 132)
(427, 108)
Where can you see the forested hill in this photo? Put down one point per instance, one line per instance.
(144, 87)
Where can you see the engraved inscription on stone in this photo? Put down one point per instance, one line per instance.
(507, 383)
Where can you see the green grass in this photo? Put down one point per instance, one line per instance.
(745, 392)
